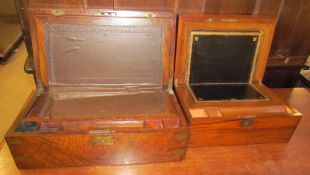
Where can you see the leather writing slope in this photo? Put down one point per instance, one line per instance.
(220, 64)
(106, 95)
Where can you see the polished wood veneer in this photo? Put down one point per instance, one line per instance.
(105, 95)
(274, 158)
(208, 55)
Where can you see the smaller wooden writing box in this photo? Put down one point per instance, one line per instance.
(106, 94)
(219, 68)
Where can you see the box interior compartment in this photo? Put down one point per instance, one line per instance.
(112, 74)
(67, 106)
(67, 111)
(221, 64)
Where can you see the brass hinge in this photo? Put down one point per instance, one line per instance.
(170, 86)
(149, 15)
(176, 83)
(58, 12)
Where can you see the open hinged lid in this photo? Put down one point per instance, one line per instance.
(220, 57)
(105, 69)
(103, 49)
(220, 63)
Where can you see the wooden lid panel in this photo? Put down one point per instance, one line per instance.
(197, 31)
(79, 51)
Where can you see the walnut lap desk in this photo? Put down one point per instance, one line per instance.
(275, 158)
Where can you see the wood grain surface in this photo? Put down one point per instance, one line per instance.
(280, 158)
(229, 128)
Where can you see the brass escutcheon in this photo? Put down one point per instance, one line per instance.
(246, 122)
(103, 140)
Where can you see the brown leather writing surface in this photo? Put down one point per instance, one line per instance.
(85, 55)
(103, 106)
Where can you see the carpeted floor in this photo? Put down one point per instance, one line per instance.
(15, 87)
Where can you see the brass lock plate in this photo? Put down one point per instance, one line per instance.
(102, 137)
(246, 122)
(102, 140)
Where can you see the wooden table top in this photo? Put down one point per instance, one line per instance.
(276, 158)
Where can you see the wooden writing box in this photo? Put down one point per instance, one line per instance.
(106, 94)
(219, 68)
